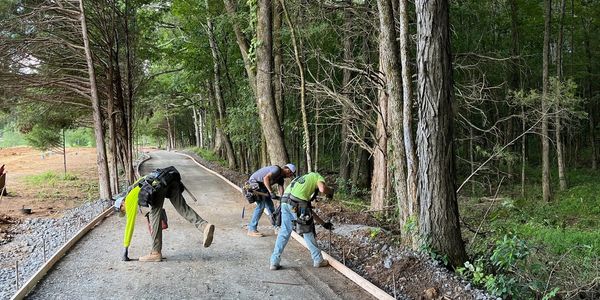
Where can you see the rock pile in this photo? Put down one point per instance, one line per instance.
(40, 238)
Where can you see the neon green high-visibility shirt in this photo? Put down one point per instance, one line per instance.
(131, 209)
(304, 186)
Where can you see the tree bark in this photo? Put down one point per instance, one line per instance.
(344, 166)
(390, 65)
(546, 192)
(439, 219)
(278, 59)
(557, 122)
(407, 118)
(103, 177)
(264, 88)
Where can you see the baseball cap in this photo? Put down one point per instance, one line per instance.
(291, 167)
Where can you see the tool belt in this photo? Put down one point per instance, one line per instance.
(304, 222)
(248, 190)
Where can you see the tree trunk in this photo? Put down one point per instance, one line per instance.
(307, 142)
(390, 65)
(197, 129)
(589, 93)
(546, 192)
(557, 122)
(278, 59)
(112, 132)
(264, 88)
(407, 118)
(222, 120)
(344, 166)
(128, 111)
(242, 44)
(103, 178)
(439, 219)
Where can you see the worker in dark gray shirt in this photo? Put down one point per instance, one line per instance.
(265, 178)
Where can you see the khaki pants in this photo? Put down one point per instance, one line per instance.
(174, 194)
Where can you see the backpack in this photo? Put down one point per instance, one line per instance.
(154, 182)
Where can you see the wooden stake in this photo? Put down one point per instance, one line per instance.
(17, 273)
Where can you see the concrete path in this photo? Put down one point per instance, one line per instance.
(235, 266)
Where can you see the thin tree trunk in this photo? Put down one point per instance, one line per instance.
(345, 148)
(243, 44)
(546, 192)
(557, 117)
(197, 133)
(103, 177)
(407, 118)
(523, 151)
(129, 104)
(588, 88)
(300, 66)
(439, 219)
(278, 59)
(112, 132)
(222, 121)
(266, 104)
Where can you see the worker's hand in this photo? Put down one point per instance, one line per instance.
(327, 225)
(273, 196)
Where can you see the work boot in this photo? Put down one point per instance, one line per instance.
(209, 230)
(323, 263)
(254, 233)
(274, 267)
(154, 256)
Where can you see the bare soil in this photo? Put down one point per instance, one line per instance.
(45, 199)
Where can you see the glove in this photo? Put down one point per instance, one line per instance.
(330, 195)
(327, 225)
(274, 197)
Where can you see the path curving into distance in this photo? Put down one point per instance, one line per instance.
(235, 266)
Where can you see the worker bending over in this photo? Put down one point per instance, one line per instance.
(151, 190)
(296, 207)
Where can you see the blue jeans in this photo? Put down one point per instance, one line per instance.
(260, 206)
(287, 215)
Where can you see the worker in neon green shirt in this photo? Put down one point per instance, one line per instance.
(172, 188)
(296, 206)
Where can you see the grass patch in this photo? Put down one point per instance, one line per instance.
(49, 178)
(209, 155)
(59, 186)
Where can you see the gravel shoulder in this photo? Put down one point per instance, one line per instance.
(234, 266)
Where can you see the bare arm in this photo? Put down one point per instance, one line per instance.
(323, 188)
(267, 182)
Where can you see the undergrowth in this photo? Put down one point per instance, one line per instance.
(209, 155)
(527, 249)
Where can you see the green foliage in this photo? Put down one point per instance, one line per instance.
(43, 138)
(209, 156)
(497, 279)
(80, 137)
(11, 138)
(374, 232)
(508, 252)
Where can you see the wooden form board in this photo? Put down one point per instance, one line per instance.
(340, 267)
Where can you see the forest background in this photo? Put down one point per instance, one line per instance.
(468, 126)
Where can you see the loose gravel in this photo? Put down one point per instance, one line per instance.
(37, 240)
